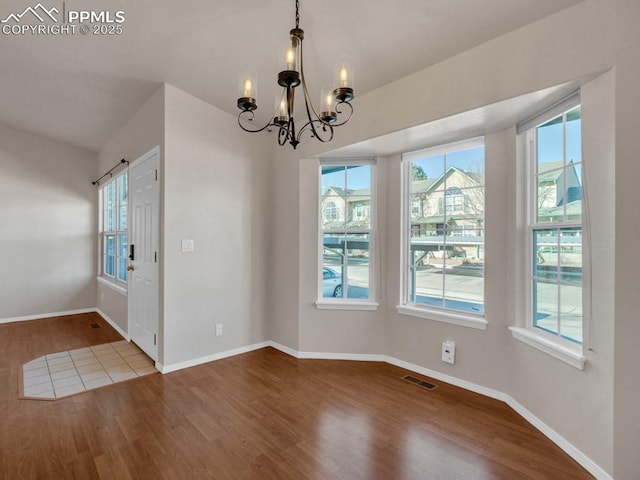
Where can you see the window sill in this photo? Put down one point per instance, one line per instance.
(453, 318)
(121, 290)
(566, 354)
(345, 305)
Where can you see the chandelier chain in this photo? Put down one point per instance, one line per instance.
(297, 14)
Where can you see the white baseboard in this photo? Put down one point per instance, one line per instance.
(555, 437)
(113, 324)
(360, 357)
(283, 348)
(210, 358)
(46, 315)
(588, 464)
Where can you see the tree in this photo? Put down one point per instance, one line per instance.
(417, 173)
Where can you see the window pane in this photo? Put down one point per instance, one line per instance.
(464, 278)
(426, 269)
(425, 171)
(122, 257)
(122, 269)
(470, 161)
(545, 257)
(122, 246)
(428, 284)
(110, 245)
(332, 281)
(333, 212)
(122, 218)
(122, 203)
(571, 312)
(333, 261)
(446, 212)
(574, 136)
(358, 178)
(359, 208)
(545, 305)
(346, 211)
(333, 180)
(358, 266)
(570, 260)
(109, 197)
(110, 265)
(550, 145)
(572, 195)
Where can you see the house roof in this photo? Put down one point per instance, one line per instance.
(573, 209)
(475, 177)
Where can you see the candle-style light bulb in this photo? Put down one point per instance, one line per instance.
(344, 76)
(282, 110)
(328, 101)
(248, 86)
(290, 58)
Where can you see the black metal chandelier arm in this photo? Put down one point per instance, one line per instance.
(318, 129)
(247, 118)
(340, 112)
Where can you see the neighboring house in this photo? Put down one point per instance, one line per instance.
(452, 204)
(553, 195)
(350, 208)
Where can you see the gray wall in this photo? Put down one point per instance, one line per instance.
(595, 409)
(215, 193)
(48, 226)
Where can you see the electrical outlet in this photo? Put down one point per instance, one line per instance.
(448, 352)
(218, 329)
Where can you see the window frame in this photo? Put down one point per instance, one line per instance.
(114, 280)
(554, 344)
(405, 307)
(343, 303)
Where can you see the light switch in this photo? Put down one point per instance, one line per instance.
(187, 245)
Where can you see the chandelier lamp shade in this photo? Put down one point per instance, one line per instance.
(335, 106)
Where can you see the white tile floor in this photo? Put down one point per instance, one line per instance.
(62, 374)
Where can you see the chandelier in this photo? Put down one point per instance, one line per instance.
(335, 100)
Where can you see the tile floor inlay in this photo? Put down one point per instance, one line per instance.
(61, 374)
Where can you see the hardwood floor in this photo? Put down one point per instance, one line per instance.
(261, 415)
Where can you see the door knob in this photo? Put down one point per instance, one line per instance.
(131, 268)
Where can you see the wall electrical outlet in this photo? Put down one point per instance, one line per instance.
(218, 329)
(449, 352)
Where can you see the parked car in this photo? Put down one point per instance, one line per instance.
(331, 283)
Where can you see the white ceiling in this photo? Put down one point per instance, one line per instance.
(80, 89)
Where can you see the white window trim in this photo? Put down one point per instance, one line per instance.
(345, 304)
(323, 303)
(569, 352)
(441, 315)
(107, 282)
(445, 316)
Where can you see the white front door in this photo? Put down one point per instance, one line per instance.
(143, 295)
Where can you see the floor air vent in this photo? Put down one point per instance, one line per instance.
(418, 382)
(94, 325)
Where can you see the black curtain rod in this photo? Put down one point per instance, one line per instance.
(97, 182)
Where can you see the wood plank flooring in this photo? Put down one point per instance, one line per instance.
(261, 415)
